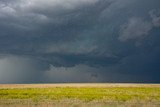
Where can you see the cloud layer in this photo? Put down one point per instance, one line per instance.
(79, 41)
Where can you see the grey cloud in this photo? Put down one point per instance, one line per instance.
(32, 12)
(79, 38)
(70, 37)
(71, 48)
(136, 28)
(155, 15)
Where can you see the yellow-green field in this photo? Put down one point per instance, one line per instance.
(79, 93)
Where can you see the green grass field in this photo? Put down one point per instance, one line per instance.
(130, 93)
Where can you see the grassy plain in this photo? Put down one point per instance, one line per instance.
(79, 94)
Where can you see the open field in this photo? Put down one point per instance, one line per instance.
(80, 95)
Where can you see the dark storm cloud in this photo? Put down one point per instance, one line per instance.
(72, 39)
(64, 28)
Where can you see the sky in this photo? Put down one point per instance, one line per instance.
(70, 41)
